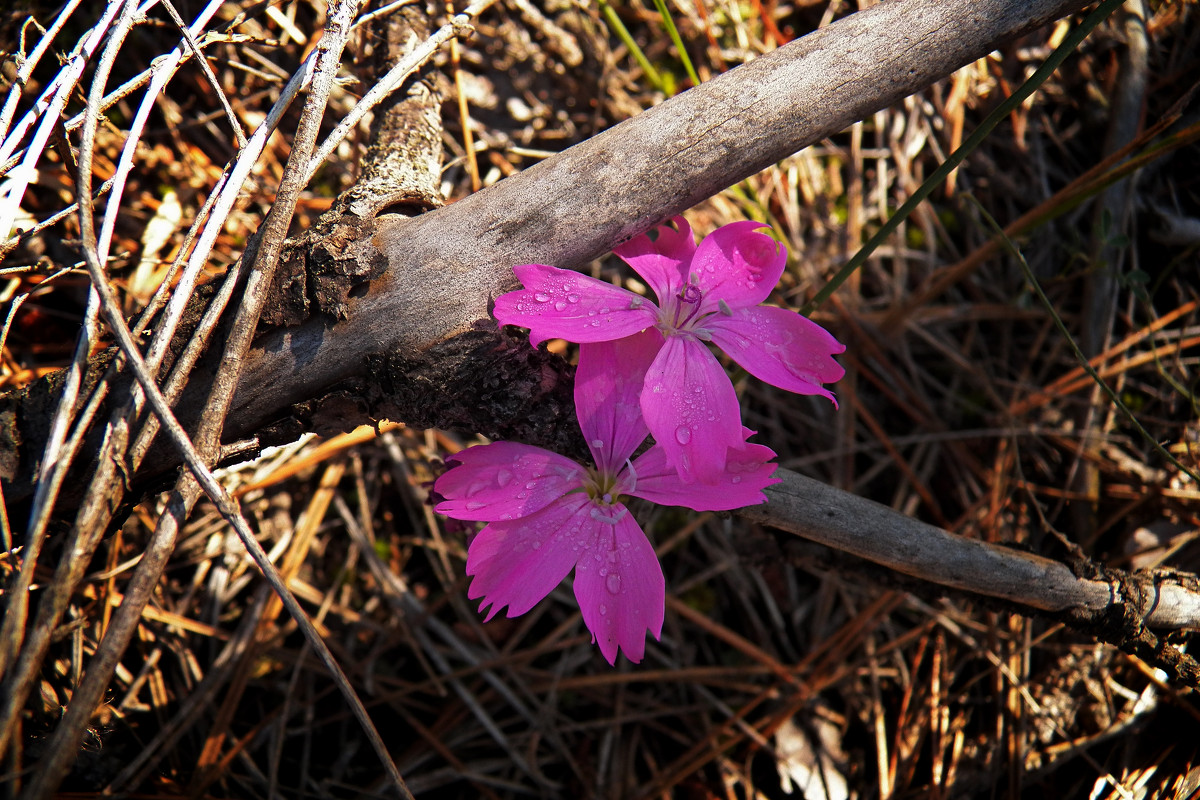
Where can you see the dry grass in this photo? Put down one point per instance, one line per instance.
(966, 409)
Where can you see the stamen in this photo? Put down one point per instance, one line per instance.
(600, 516)
(632, 476)
(725, 309)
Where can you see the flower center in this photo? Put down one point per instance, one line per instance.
(606, 491)
(681, 312)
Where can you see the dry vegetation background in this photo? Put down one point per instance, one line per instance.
(782, 664)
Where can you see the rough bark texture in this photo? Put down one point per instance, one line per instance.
(399, 173)
(444, 268)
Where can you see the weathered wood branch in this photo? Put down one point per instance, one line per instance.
(445, 267)
(419, 344)
(1113, 605)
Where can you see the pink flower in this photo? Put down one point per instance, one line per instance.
(709, 293)
(547, 515)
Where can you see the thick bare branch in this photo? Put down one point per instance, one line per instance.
(420, 345)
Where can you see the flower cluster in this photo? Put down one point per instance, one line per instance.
(644, 368)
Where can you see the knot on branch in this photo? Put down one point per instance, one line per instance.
(1123, 621)
(320, 270)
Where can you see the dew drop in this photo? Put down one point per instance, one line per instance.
(636, 303)
(559, 305)
(531, 485)
(474, 505)
(522, 495)
(736, 479)
(535, 544)
(598, 444)
(541, 297)
(503, 476)
(572, 298)
(683, 434)
(697, 389)
(603, 609)
(613, 583)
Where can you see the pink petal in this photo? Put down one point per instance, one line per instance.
(664, 262)
(747, 473)
(564, 304)
(780, 347)
(504, 480)
(620, 589)
(690, 407)
(738, 265)
(608, 389)
(517, 563)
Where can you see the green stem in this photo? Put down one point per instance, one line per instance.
(958, 156)
(1031, 279)
(624, 35)
(673, 32)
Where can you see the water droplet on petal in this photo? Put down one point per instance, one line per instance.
(474, 505)
(603, 609)
(613, 583)
(736, 479)
(683, 434)
(598, 444)
(503, 476)
(572, 298)
(697, 389)
(559, 305)
(541, 297)
(531, 485)
(535, 544)
(635, 303)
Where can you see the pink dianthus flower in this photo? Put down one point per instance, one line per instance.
(547, 514)
(709, 293)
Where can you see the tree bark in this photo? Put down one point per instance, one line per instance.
(430, 310)
(420, 346)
